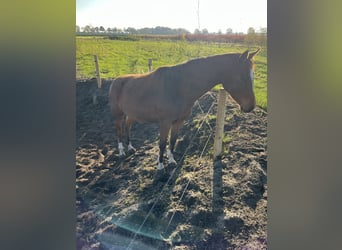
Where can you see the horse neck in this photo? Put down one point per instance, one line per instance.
(203, 74)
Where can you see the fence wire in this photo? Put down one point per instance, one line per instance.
(172, 173)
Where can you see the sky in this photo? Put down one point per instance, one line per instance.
(214, 15)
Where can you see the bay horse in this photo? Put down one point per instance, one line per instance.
(166, 95)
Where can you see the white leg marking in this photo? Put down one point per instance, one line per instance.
(160, 166)
(121, 149)
(130, 147)
(170, 156)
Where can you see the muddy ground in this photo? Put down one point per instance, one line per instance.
(125, 203)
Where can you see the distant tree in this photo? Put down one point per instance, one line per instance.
(197, 31)
(251, 30)
(131, 30)
(88, 29)
(181, 31)
(112, 30)
(102, 29)
(251, 37)
(263, 31)
(78, 29)
(162, 30)
(205, 31)
(219, 32)
(262, 37)
(229, 31)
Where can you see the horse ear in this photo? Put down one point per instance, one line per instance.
(244, 55)
(251, 55)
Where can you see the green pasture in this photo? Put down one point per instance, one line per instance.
(118, 57)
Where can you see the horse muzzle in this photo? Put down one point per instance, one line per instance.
(247, 108)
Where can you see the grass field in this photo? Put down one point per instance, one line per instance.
(124, 57)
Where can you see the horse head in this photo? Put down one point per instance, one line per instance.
(241, 83)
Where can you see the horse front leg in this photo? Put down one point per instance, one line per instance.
(174, 134)
(164, 131)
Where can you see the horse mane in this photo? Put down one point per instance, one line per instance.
(192, 62)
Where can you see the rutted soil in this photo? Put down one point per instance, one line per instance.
(125, 203)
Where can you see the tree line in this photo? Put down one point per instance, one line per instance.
(253, 37)
(159, 30)
(131, 31)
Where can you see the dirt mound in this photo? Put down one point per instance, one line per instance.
(125, 203)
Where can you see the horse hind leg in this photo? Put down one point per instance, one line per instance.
(129, 122)
(113, 95)
(118, 126)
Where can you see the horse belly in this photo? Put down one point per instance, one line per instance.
(141, 111)
(141, 117)
(150, 104)
(152, 112)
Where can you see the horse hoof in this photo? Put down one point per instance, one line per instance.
(171, 159)
(121, 149)
(160, 166)
(131, 148)
(172, 162)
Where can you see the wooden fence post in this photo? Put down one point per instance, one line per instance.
(98, 77)
(150, 64)
(97, 71)
(221, 108)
